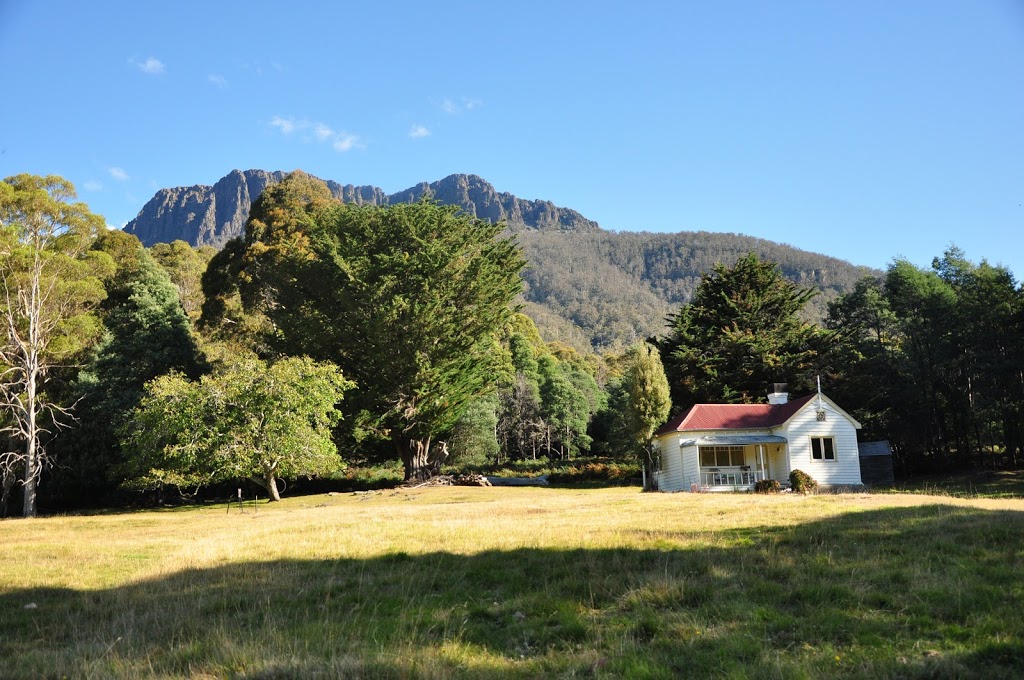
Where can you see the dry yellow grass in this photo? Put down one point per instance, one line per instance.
(99, 551)
(638, 570)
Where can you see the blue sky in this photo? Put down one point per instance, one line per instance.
(863, 130)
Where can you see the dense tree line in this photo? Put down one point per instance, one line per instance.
(934, 360)
(930, 359)
(335, 334)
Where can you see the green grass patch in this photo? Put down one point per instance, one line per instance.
(454, 582)
(973, 484)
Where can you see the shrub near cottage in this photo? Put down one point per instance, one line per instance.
(801, 482)
(613, 473)
(767, 486)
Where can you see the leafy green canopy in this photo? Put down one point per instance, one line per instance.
(246, 419)
(741, 332)
(407, 299)
(147, 334)
(50, 285)
(931, 359)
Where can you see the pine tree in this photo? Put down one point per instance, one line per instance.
(741, 332)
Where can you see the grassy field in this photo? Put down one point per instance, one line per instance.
(522, 582)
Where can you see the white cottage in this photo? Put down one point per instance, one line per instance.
(729, 447)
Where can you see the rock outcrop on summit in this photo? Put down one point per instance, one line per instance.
(213, 215)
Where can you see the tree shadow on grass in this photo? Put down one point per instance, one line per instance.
(931, 591)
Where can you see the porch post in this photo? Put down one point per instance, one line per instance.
(760, 453)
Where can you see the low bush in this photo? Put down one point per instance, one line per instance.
(615, 473)
(767, 486)
(801, 482)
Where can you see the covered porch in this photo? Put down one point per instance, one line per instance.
(733, 462)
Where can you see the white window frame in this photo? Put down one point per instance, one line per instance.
(821, 447)
(729, 451)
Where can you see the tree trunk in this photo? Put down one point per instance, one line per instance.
(415, 454)
(31, 445)
(7, 480)
(271, 482)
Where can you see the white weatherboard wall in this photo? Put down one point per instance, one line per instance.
(778, 462)
(691, 466)
(845, 469)
(671, 476)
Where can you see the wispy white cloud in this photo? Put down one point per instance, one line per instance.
(321, 133)
(151, 65)
(454, 107)
(418, 132)
(344, 141)
(285, 125)
(118, 173)
(216, 79)
(92, 185)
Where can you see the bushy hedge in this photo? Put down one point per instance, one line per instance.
(767, 486)
(801, 482)
(615, 473)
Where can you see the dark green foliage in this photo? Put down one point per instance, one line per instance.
(407, 300)
(185, 265)
(614, 473)
(564, 408)
(801, 482)
(147, 335)
(767, 486)
(473, 440)
(610, 427)
(931, 360)
(741, 332)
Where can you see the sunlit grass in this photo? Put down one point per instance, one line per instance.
(478, 582)
(973, 484)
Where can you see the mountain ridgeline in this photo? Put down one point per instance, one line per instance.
(213, 215)
(585, 286)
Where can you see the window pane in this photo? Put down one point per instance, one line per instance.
(722, 455)
(737, 455)
(829, 444)
(707, 456)
(816, 448)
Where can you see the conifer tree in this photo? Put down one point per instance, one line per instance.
(741, 332)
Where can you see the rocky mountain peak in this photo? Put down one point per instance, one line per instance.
(212, 215)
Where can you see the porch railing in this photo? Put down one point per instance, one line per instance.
(731, 478)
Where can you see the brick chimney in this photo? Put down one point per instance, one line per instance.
(778, 395)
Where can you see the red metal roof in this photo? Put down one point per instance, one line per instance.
(733, 416)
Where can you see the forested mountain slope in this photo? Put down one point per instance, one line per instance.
(585, 286)
(620, 286)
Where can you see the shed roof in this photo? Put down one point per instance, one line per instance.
(733, 416)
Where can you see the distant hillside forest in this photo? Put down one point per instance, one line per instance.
(607, 290)
(589, 288)
(332, 335)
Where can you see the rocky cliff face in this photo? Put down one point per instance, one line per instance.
(205, 215)
(478, 198)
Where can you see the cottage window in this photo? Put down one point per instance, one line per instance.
(823, 448)
(721, 456)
